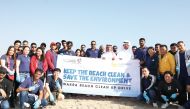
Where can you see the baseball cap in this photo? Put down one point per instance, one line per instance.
(53, 43)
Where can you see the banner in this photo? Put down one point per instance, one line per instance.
(99, 77)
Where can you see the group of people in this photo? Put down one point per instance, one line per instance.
(29, 72)
(165, 74)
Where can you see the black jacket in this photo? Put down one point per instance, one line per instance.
(7, 86)
(168, 89)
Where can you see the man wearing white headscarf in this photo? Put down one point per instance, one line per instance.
(109, 54)
(126, 53)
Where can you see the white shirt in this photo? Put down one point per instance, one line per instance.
(108, 56)
(125, 55)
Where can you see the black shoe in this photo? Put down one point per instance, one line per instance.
(12, 105)
(52, 103)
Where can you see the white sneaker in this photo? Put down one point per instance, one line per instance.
(43, 107)
(164, 106)
(155, 105)
(63, 96)
(174, 103)
(147, 102)
(26, 104)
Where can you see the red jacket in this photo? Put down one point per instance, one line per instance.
(34, 65)
(50, 60)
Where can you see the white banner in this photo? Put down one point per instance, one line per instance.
(99, 77)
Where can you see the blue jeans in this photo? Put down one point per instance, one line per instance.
(23, 76)
(170, 99)
(5, 104)
(150, 93)
(25, 97)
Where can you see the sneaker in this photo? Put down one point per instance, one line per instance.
(63, 96)
(164, 106)
(174, 103)
(148, 102)
(52, 103)
(26, 104)
(155, 105)
(18, 94)
(43, 107)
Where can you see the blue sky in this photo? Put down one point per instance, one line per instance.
(106, 21)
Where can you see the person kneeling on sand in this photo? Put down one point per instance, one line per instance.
(31, 91)
(148, 90)
(169, 89)
(53, 87)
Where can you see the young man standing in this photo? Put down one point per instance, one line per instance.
(51, 57)
(17, 44)
(69, 50)
(134, 48)
(157, 48)
(173, 48)
(83, 47)
(182, 58)
(92, 52)
(166, 61)
(43, 46)
(58, 46)
(140, 52)
(33, 48)
(25, 43)
(64, 44)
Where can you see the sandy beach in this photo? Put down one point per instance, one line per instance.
(99, 102)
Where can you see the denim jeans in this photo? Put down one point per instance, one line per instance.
(170, 99)
(26, 97)
(5, 104)
(150, 93)
(23, 76)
